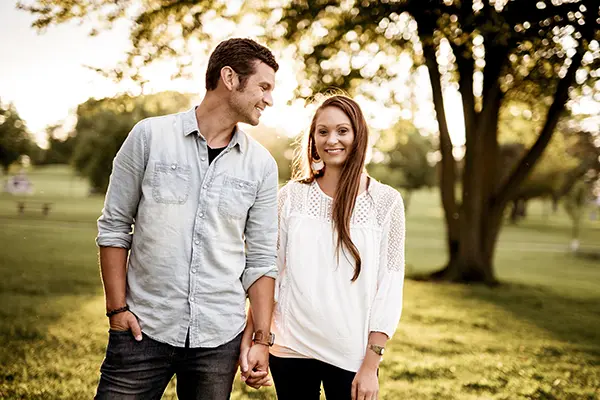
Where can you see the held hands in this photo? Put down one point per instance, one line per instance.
(365, 385)
(254, 364)
(126, 321)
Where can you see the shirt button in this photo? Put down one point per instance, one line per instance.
(191, 299)
(204, 187)
(197, 241)
(201, 214)
(241, 184)
(173, 166)
(203, 159)
(194, 271)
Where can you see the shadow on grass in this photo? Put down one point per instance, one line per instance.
(588, 254)
(574, 321)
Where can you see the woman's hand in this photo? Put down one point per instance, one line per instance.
(252, 376)
(365, 385)
(255, 378)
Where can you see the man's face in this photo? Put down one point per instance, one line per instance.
(249, 102)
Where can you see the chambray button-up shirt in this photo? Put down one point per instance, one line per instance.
(203, 234)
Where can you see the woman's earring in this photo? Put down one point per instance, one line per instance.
(317, 165)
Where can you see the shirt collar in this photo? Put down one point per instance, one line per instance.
(190, 125)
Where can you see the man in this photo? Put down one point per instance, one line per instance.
(202, 197)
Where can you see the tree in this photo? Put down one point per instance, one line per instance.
(402, 160)
(14, 138)
(490, 50)
(568, 157)
(279, 145)
(575, 203)
(102, 126)
(60, 150)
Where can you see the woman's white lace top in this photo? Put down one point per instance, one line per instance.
(319, 312)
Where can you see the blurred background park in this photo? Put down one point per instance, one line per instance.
(484, 114)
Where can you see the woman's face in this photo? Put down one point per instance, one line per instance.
(333, 136)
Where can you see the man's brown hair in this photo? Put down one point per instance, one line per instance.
(239, 54)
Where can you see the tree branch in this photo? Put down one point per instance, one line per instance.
(448, 174)
(511, 186)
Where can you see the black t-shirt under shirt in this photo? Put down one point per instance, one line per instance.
(213, 153)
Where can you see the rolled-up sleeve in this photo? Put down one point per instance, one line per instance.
(261, 230)
(387, 307)
(124, 191)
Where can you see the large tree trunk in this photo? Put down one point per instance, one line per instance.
(473, 231)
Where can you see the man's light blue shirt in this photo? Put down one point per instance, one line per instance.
(202, 234)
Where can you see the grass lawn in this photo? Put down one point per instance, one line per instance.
(537, 336)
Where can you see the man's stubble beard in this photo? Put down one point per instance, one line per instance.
(244, 112)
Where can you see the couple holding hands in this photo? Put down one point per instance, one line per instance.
(194, 222)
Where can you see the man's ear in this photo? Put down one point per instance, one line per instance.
(230, 78)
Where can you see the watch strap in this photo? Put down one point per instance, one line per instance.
(264, 338)
(376, 348)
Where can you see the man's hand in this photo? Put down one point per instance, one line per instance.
(254, 363)
(126, 321)
(365, 385)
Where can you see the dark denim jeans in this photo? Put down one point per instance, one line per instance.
(142, 370)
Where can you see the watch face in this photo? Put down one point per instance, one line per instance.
(377, 349)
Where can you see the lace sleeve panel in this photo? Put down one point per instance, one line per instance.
(396, 236)
(387, 304)
(282, 206)
(282, 198)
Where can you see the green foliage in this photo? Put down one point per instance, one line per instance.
(14, 138)
(575, 203)
(569, 155)
(103, 125)
(549, 175)
(279, 145)
(345, 45)
(492, 51)
(60, 151)
(401, 158)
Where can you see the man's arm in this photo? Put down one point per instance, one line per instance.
(113, 266)
(115, 226)
(261, 295)
(261, 300)
(259, 275)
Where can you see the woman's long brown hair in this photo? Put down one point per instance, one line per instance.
(348, 186)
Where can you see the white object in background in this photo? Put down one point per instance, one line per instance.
(574, 245)
(19, 184)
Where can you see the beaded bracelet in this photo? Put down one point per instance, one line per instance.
(117, 311)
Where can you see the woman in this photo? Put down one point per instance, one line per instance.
(341, 265)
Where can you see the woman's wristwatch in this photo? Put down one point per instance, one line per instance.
(376, 348)
(261, 337)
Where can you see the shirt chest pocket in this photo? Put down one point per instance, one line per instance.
(237, 196)
(171, 183)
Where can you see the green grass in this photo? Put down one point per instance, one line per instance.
(536, 336)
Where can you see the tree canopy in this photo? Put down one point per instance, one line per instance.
(544, 52)
(103, 125)
(402, 158)
(15, 140)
